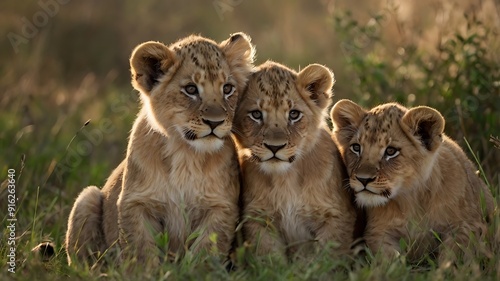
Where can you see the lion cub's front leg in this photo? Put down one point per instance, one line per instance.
(387, 246)
(383, 235)
(137, 223)
(265, 238)
(334, 229)
(216, 231)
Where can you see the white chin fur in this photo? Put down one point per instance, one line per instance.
(271, 167)
(207, 145)
(367, 199)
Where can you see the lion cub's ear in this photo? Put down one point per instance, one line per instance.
(239, 52)
(317, 81)
(347, 113)
(149, 61)
(427, 124)
(346, 118)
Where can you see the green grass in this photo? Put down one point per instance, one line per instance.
(47, 182)
(43, 137)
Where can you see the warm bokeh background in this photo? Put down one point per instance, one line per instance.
(63, 64)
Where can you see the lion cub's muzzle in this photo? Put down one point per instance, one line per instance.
(276, 141)
(369, 189)
(214, 116)
(210, 129)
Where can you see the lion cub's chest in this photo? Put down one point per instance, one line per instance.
(294, 212)
(181, 187)
(186, 182)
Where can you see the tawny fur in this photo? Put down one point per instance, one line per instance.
(180, 175)
(419, 183)
(298, 199)
(85, 235)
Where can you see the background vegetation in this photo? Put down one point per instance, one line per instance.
(62, 64)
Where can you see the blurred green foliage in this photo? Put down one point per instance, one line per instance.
(460, 78)
(73, 67)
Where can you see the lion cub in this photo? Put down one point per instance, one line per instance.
(180, 175)
(293, 190)
(415, 182)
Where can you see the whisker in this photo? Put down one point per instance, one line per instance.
(189, 134)
(254, 158)
(346, 184)
(386, 193)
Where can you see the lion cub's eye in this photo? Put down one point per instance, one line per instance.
(294, 115)
(228, 90)
(356, 148)
(256, 115)
(190, 90)
(391, 152)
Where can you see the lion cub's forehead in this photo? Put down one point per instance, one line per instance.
(205, 55)
(275, 85)
(379, 122)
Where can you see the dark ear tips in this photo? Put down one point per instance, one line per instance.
(45, 251)
(317, 80)
(236, 37)
(427, 124)
(148, 62)
(154, 74)
(424, 131)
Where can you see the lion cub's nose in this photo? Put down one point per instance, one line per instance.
(365, 181)
(274, 148)
(212, 124)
